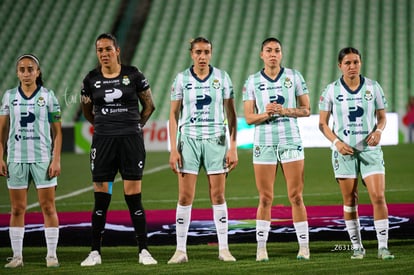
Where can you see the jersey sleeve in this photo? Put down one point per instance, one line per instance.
(300, 84)
(142, 83)
(248, 89)
(325, 102)
(380, 100)
(54, 108)
(86, 95)
(5, 107)
(176, 92)
(228, 86)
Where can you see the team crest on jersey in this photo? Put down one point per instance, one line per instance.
(125, 80)
(41, 101)
(216, 84)
(288, 83)
(368, 95)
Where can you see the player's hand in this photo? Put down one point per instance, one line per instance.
(175, 161)
(3, 168)
(344, 148)
(231, 159)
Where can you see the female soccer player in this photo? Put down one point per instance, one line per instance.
(31, 113)
(273, 100)
(357, 107)
(111, 96)
(201, 99)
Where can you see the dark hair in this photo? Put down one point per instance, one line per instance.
(270, 39)
(346, 51)
(111, 37)
(39, 80)
(199, 39)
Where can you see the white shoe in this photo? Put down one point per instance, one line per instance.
(358, 254)
(52, 261)
(385, 254)
(93, 259)
(178, 257)
(261, 255)
(145, 258)
(225, 255)
(14, 262)
(303, 254)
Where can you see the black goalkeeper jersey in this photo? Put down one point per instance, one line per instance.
(115, 100)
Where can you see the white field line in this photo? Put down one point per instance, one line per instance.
(87, 189)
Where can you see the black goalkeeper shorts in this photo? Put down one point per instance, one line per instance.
(110, 154)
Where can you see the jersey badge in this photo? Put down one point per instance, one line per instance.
(216, 84)
(288, 83)
(41, 102)
(368, 95)
(125, 80)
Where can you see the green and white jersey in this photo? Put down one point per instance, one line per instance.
(284, 90)
(30, 135)
(353, 112)
(202, 112)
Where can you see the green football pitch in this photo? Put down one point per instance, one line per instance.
(74, 192)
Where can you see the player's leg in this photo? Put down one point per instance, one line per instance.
(17, 182)
(190, 151)
(294, 176)
(373, 173)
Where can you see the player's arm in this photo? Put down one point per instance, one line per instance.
(324, 125)
(231, 158)
(340, 146)
(302, 110)
(87, 109)
(148, 107)
(251, 115)
(374, 137)
(381, 120)
(54, 168)
(4, 130)
(175, 158)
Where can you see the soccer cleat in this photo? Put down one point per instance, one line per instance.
(93, 259)
(14, 262)
(385, 254)
(303, 254)
(52, 261)
(225, 255)
(178, 257)
(261, 255)
(359, 253)
(145, 258)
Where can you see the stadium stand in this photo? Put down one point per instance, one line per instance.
(312, 32)
(62, 34)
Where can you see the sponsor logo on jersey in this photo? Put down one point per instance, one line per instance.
(112, 94)
(202, 100)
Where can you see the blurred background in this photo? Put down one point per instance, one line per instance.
(154, 35)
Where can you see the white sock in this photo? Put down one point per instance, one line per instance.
(382, 226)
(182, 224)
(52, 237)
(302, 233)
(16, 239)
(354, 231)
(262, 233)
(221, 222)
